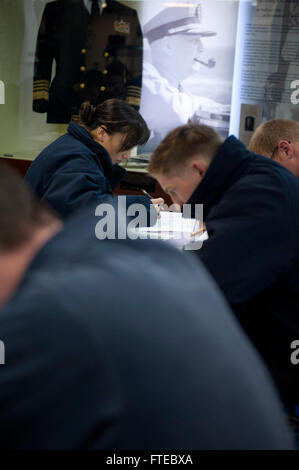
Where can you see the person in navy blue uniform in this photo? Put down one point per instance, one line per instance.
(250, 207)
(81, 167)
(97, 49)
(119, 344)
(278, 139)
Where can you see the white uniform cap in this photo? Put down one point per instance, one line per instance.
(176, 20)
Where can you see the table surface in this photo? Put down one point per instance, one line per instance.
(128, 167)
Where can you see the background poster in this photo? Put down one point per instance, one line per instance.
(188, 71)
(267, 59)
(189, 50)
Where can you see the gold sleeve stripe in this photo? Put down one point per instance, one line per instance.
(38, 82)
(137, 95)
(41, 95)
(41, 87)
(134, 89)
(41, 90)
(133, 101)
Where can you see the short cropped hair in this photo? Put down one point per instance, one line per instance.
(20, 212)
(181, 144)
(268, 135)
(116, 116)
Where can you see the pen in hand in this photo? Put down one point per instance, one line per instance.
(147, 194)
(158, 203)
(201, 230)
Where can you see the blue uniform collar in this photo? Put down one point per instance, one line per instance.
(230, 162)
(81, 134)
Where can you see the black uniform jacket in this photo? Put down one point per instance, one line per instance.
(251, 213)
(96, 58)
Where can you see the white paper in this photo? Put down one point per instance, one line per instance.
(172, 222)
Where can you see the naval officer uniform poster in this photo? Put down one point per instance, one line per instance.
(188, 63)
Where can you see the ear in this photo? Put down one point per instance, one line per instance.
(199, 167)
(286, 149)
(101, 133)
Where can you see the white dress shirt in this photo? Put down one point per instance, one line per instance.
(88, 4)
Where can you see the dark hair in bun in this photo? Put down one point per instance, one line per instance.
(116, 116)
(87, 113)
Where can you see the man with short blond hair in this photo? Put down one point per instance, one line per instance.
(250, 208)
(182, 143)
(278, 139)
(176, 151)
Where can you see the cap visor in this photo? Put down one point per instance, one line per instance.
(197, 30)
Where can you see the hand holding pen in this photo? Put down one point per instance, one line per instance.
(158, 203)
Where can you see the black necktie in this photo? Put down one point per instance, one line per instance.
(95, 11)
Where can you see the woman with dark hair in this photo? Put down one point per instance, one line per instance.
(81, 167)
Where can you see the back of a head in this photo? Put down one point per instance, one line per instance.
(152, 371)
(181, 144)
(20, 212)
(116, 116)
(268, 135)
